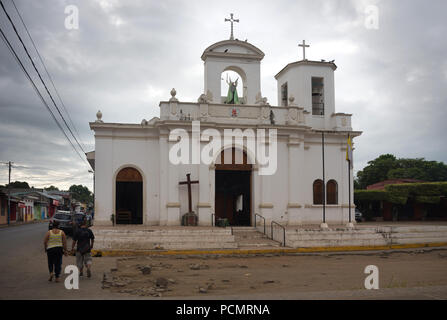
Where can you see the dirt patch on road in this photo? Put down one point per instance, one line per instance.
(177, 276)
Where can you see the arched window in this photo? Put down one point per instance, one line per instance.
(332, 192)
(318, 191)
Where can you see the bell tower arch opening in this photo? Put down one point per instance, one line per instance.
(233, 88)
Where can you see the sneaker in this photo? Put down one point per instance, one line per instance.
(51, 277)
(89, 273)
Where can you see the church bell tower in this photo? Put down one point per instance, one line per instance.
(238, 56)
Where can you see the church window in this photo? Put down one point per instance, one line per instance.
(318, 191)
(284, 95)
(332, 192)
(317, 96)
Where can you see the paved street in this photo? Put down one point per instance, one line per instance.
(24, 271)
(414, 275)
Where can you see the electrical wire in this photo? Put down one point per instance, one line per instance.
(11, 49)
(48, 74)
(38, 73)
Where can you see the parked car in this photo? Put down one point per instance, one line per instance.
(65, 221)
(358, 215)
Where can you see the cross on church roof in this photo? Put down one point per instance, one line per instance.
(304, 45)
(231, 20)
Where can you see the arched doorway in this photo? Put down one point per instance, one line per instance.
(129, 197)
(233, 188)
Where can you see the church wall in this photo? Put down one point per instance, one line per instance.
(103, 185)
(335, 168)
(276, 186)
(115, 154)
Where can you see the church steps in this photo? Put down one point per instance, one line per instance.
(226, 238)
(175, 239)
(376, 236)
(249, 238)
(149, 245)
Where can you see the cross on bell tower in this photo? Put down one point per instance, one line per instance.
(304, 45)
(231, 20)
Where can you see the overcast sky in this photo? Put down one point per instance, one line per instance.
(127, 55)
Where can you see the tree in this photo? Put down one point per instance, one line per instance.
(19, 185)
(52, 188)
(388, 167)
(81, 193)
(376, 170)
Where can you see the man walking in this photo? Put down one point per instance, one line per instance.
(84, 239)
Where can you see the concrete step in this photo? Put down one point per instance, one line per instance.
(249, 237)
(162, 232)
(304, 237)
(336, 243)
(149, 245)
(226, 238)
(272, 244)
(367, 236)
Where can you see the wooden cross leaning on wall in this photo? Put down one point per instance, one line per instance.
(189, 182)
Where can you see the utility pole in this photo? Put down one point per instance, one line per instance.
(9, 191)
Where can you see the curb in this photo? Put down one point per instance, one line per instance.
(119, 253)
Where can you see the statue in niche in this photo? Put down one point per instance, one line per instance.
(232, 97)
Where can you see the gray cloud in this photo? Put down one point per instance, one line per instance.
(127, 55)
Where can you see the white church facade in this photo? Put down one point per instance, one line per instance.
(275, 171)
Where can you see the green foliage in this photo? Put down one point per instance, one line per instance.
(52, 188)
(19, 185)
(81, 193)
(429, 192)
(370, 195)
(388, 166)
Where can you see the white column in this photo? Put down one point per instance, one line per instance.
(295, 179)
(204, 205)
(173, 205)
(163, 196)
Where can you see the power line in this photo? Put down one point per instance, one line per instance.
(38, 73)
(48, 74)
(11, 49)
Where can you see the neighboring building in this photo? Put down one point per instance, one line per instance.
(32, 204)
(421, 200)
(381, 185)
(3, 207)
(136, 180)
(65, 198)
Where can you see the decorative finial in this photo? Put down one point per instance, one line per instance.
(304, 45)
(99, 116)
(173, 98)
(231, 20)
(291, 99)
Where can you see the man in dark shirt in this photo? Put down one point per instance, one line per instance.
(84, 239)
